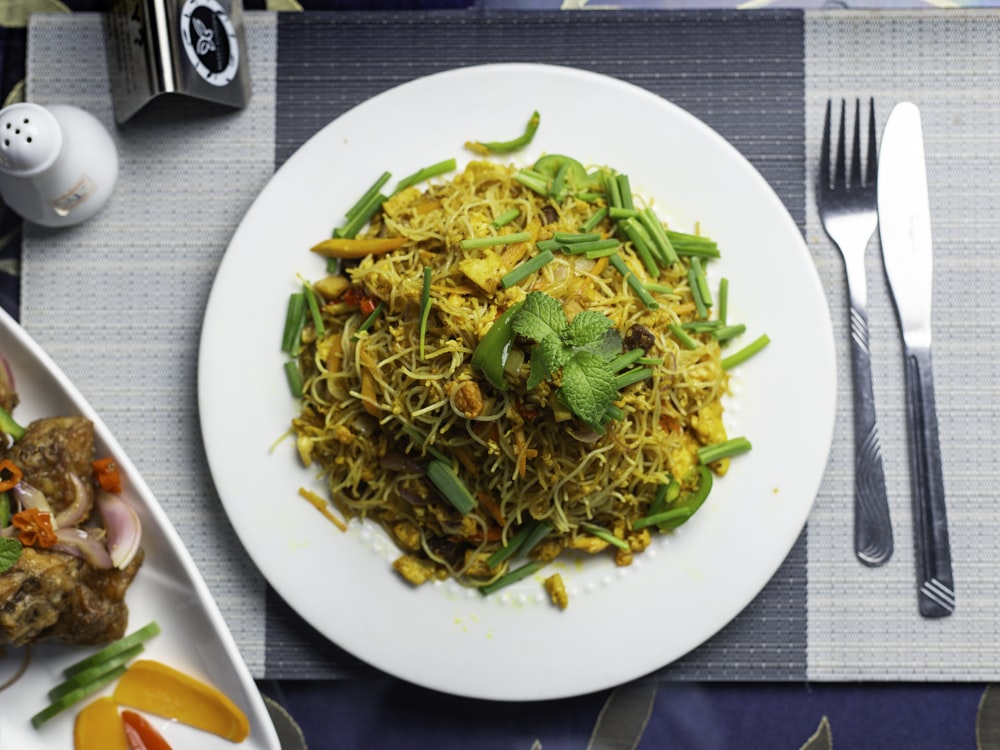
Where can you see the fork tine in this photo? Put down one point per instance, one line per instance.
(872, 149)
(824, 154)
(840, 168)
(856, 147)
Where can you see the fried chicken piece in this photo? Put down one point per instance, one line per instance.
(50, 450)
(53, 595)
(49, 594)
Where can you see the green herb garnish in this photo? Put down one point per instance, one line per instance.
(584, 350)
(10, 552)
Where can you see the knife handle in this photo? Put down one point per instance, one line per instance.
(872, 525)
(936, 592)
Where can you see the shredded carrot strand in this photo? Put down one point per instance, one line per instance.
(321, 506)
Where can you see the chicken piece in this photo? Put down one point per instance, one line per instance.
(469, 399)
(413, 569)
(53, 595)
(557, 590)
(51, 449)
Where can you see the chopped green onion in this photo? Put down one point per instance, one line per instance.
(699, 303)
(474, 243)
(361, 217)
(702, 326)
(596, 218)
(693, 245)
(420, 440)
(682, 337)
(641, 243)
(589, 246)
(525, 269)
(654, 286)
(570, 238)
(513, 546)
(588, 196)
(625, 191)
(722, 309)
(617, 213)
(447, 481)
(370, 194)
(633, 281)
(724, 333)
(558, 188)
(538, 533)
(333, 266)
(601, 533)
(627, 359)
(535, 182)
(505, 218)
(294, 378)
(630, 377)
(293, 321)
(702, 280)
(425, 174)
(505, 147)
(739, 357)
(528, 569)
(369, 321)
(313, 304)
(4, 509)
(551, 244)
(732, 447)
(614, 192)
(601, 252)
(425, 308)
(614, 413)
(655, 228)
(654, 361)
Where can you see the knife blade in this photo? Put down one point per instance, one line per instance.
(905, 235)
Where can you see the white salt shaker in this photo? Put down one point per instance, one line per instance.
(58, 164)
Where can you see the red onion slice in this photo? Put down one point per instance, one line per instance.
(75, 541)
(83, 501)
(124, 529)
(30, 497)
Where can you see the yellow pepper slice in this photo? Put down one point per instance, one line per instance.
(342, 247)
(99, 727)
(162, 690)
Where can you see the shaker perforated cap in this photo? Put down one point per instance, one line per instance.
(30, 139)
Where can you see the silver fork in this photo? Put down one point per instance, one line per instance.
(847, 207)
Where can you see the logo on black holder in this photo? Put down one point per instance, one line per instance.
(210, 42)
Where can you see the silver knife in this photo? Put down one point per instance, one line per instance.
(905, 232)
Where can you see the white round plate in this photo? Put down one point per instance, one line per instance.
(621, 622)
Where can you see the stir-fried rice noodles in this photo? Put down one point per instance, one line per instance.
(375, 412)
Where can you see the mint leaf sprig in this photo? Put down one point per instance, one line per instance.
(584, 350)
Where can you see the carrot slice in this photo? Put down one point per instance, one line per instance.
(156, 688)
(141, 734)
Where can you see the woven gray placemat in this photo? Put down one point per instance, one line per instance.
(142, 274)
(863, 623)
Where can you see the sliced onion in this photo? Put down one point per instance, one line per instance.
(124, 529)
(76, 541)
(83, 501)
(584, 435)
(30, 497)
(8, 389)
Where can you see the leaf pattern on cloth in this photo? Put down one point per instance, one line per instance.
(822, 739)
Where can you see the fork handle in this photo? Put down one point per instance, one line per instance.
(872, 525)
(936, 592)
